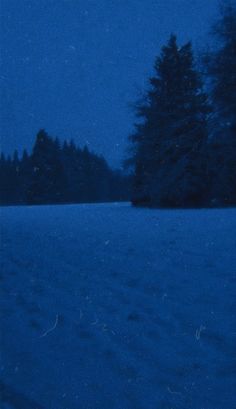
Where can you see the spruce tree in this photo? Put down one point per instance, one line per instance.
(3, 180)
(52, 174)
(9, 179)
(171, 139)
(222, 71)
(25, 175)
(223, 67)
(47, 182)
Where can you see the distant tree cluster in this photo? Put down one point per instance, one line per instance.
(184, 143)
(59, 174)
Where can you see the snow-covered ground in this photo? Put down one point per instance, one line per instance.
(110, 307)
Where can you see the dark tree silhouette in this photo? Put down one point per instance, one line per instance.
(9, 178)
(222, 72)
(47, 182)
(52, 174)
(170, 141)
(25, 176)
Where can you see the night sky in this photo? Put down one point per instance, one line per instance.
(74, 67)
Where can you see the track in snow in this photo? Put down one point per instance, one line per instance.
(110, 307)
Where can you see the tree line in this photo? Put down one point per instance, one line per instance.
(59, 174)
(184, 139)
(183, 144)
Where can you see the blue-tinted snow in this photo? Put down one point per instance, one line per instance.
(110, 307)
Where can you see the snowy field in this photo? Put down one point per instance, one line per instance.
(110, 307)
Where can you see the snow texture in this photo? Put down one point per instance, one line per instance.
(110, 307)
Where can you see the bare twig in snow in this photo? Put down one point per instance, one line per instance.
(50, 329)
(173, 392)
(198, 332)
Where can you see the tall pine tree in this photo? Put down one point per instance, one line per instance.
(170, 141)
(222, 71)
(47, 181)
